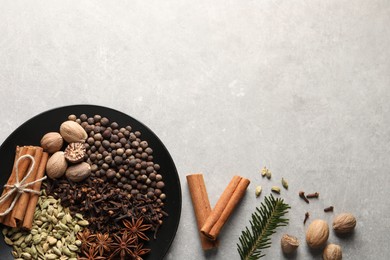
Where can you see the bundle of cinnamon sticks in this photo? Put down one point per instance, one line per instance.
(22, 213)
(210, 222)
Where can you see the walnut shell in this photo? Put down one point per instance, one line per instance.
(289, 244)
(332, 252)
(78, 172)
(52, 142)
(72, 132)
(56, 165)
(344, 223)
(75, 152)
(317, 233)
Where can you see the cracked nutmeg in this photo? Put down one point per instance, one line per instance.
(289, 244)
(75, 152)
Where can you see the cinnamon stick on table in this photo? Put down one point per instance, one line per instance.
(201, 205)
(29, 216)
(224, 207)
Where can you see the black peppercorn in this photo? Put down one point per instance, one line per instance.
(90, 120)
(160, 185)
(104, 121)
(83, 117)
(97, 118)
(110, 173)
(108, 159)
(106, 134)
(106, 144)
(144, 144)
(90, 141)
(118, 160)
(98, 137)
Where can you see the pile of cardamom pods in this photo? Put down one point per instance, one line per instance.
(53, 235)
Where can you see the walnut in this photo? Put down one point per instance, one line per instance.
(344, 223)
(332, 252)
(75, 152)
(317, 233)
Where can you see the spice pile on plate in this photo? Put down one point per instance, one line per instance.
(104, 176)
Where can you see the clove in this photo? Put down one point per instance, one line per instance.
(313, 195)
(307, 215)
(328, 209)
(302, 195)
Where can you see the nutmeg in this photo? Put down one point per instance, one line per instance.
(332, 252)
(344, 223)
(78, 172)
(289, 244)
(317, 233)
(52, 142)
(72, 132)
(75, 152)
(56, 165)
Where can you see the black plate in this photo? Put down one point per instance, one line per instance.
(31, 132)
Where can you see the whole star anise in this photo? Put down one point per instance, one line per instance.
(103, 243)
(86, 238)
(91, 254)
(123, 246)
(136, 228)
(139, 251)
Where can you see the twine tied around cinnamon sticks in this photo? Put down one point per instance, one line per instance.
(20, 186)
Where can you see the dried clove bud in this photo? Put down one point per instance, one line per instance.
(302, 195)
(307, 215)
(313, 195)
(328, 209)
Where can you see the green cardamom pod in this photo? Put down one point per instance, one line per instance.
(83, 223)
(8, 241)
(275, 189)
(51, 256)
(258, 191)
(284, 183)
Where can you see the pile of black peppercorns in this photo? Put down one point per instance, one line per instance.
(119, 155)
(125, 183)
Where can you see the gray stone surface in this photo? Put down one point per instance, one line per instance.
(229, 86)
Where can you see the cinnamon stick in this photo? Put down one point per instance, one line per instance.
(20, 151)
(201, 205)
(29, 216)
(19, 210)
(224, 207)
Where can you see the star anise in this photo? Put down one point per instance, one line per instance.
(91, 254)
(123, 246)
(136, 228)
(103, 243)
(86, 238)
(139, 251)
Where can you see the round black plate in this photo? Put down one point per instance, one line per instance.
(31, 132)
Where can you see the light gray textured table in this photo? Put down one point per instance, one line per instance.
(302, 87)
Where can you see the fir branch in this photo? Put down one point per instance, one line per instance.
(263, 224)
